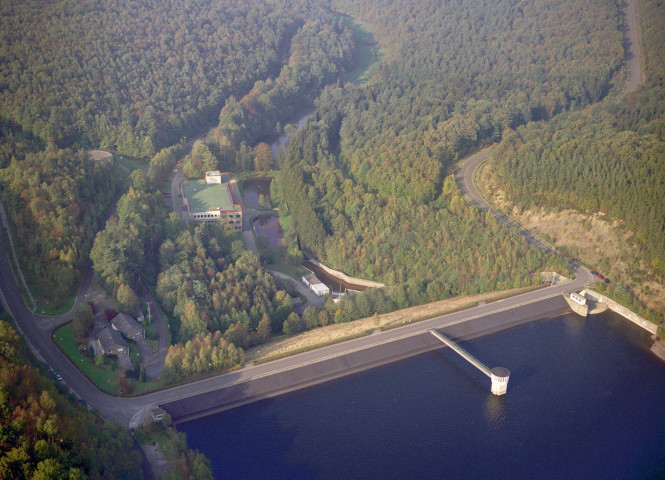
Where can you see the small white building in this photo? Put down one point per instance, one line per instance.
(577, 298)
(316, 285)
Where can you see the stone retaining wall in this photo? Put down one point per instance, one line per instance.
(344, 277)
(621, 310)
(554, 277)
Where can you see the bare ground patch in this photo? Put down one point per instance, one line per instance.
(100, 155)
(331, 333)
(598, 241)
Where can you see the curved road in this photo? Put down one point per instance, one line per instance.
(465, 180)
(37, 330)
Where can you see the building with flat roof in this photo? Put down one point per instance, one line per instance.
(316, 285)
(209, 199)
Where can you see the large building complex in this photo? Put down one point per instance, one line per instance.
(209, 199)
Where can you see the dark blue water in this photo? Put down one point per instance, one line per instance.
(586, 399)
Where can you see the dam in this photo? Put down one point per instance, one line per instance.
(257, 382)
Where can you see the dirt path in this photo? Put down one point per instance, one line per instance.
(633, 54)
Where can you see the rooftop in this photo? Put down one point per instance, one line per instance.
(109, 337)
(124, 323)
(312, 279)
(204, 196)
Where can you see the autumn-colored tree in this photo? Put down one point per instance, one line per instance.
(311, 317)
(44, 434)
(128, 302)
(263, 329)
(293, 324)
(124, 385)
(264, 160)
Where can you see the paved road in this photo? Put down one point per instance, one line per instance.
(37, 330)
(123, 409)
(248, 214)
(465, 180)
(153, 362)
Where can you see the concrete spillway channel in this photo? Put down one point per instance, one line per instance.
(498, 375)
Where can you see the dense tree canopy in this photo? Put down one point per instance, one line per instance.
(44, 435)
(56, 199)
(582, 161)
(208, 288)
(134, 76)
(609, 158)
(366, 182)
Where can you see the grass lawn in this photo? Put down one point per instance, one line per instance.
(294, 271)
(369, 55)
(129, 163)
(166, 186)
(134, 353)
(49, 309)
(139, 388)
(165, 318)
(105, 376)
(151, 332)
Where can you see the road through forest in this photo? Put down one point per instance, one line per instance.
(37, 330)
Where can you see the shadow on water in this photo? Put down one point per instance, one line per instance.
(270, 228)
(253, 188)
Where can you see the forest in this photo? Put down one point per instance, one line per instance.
(131, 76)
(135, 78)
(367, 186)
(56, 200)
(321, 51)
(608, 158)
(368, 181)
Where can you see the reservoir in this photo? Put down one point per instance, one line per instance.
(585, 400)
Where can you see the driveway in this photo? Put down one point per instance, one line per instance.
(153, 362)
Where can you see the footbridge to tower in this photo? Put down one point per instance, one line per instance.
(498, 375)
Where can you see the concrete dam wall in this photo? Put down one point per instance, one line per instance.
(621, 310)
(331, 367)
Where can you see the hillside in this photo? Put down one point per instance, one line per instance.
(367, 181)
(130, 78)
(607, 163)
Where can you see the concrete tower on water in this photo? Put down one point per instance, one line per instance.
(498, 375)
